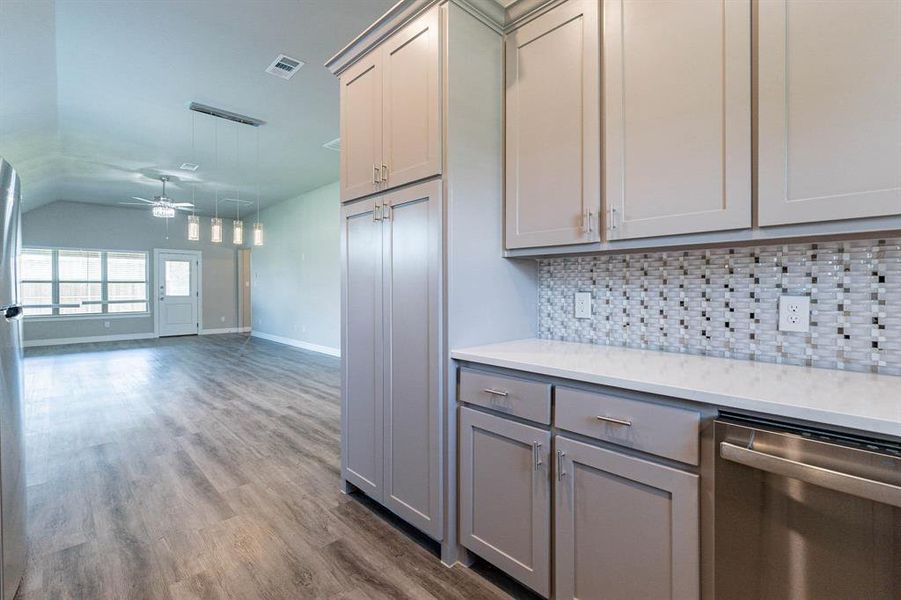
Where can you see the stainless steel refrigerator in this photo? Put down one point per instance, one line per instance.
(12, 452)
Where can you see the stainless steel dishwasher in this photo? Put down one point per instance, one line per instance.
(805, 514)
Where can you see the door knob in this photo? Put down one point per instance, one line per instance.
(12, 312)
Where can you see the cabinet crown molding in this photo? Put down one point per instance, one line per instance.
(500, 15)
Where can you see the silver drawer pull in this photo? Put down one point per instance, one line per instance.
(561, 470)
(623, 422)
(495, 392)
(536, 454)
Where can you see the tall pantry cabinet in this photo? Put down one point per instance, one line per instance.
(421, 187)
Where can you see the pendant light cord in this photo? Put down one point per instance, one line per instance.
(258, 176)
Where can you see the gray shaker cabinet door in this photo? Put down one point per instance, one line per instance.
(552, 122)
(361, 351)
(505, 496)
(626, 528)
(413, 374)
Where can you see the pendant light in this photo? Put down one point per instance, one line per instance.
(258, 227)
(216, 222)
(238, 225)
(193, 220)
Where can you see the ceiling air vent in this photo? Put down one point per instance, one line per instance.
(284, 66)
(189, 166)
(334, 145)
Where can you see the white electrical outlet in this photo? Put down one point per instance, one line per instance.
(794, 313)
(583, 305)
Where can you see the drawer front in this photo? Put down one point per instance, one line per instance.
(654, 428)
(510, 395)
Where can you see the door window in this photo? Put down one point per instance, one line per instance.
(178, 278)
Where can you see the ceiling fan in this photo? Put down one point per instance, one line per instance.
(163, 206)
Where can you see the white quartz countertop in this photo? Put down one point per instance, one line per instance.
(861, 401)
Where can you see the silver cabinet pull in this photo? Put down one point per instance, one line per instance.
(386, 212)
(536, 455)
(624, 422)
(377, 212)
(871, 489)
(611, 220)
(561, 472)
(494, 392)
(384, 172)
(587, 216)
(376, 172)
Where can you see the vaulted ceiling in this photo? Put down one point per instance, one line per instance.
(94, 95)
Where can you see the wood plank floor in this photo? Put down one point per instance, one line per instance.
(208, 468)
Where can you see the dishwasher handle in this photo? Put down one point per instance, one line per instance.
(870, 489)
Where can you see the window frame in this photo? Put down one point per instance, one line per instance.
(104, 301)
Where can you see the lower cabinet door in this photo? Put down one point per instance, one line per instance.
(361, 348)
(505, 496)
(411, 219)
(626, 528)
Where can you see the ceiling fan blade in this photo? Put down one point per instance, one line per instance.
(144, 200)
(132, 204)
(180, 204)
(183, 208)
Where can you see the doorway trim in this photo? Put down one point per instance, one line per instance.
(195, 254)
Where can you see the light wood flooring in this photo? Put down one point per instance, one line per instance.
(206, 467)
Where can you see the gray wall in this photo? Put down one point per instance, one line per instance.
(297, 273)
(90, 226)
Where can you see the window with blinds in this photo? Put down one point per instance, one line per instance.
(63, 282)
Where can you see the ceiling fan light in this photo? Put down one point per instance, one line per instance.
(238, 232)
(257, 234)
(216, 230)
(163, 212)
(193, 228)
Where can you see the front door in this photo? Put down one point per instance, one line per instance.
(177, 280)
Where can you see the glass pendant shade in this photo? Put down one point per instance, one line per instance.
(193, 228)
(216, 230)
(257, 234)
(238, 233)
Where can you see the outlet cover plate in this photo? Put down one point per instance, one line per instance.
(794, 313)
(583, 305)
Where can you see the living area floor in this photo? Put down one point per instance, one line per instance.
(206, 467)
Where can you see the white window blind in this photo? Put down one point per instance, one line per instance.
(61, 282)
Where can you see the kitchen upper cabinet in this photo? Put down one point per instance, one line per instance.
(625, 527)
(412, 297)
(361, 127)
(391, 112)
(553, 165)
(677, 108)
(362, 372)
(505, 495)
(411, 103)
(829, 110)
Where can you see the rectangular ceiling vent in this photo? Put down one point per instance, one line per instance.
(189, 166)
(284, 66)
(334, 145)
(236, 201)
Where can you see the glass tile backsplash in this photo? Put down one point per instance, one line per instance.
(724, 302)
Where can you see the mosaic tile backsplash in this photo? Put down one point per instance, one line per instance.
(725, 302)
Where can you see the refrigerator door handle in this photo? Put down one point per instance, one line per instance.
(12, 312)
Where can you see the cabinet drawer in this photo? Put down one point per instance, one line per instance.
(513, 396)
(654, 428)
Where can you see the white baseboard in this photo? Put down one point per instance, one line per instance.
(297, 343)
(88, 340)
(225, 330)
